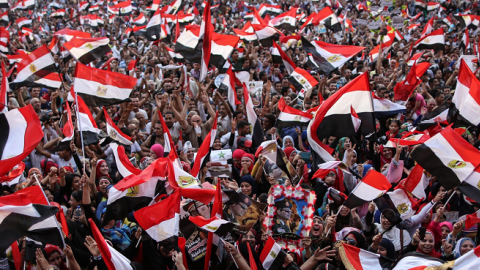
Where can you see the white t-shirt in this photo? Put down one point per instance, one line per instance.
(132, 114)
(63, 163)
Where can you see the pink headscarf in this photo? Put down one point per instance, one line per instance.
(158, 150)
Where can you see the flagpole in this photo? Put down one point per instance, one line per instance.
(56, 221)
(453, 193)
(79, 128)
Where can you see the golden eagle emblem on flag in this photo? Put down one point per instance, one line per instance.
(186, 181)
(32, 68)
(212, 228)
(162, 234)
(456, 164)
(90, 46)
(303, 81)
(273, 254)
(478, 185)
(113, 133)
(334, 58)
(133, 191)
(297, 118)
(402, 208)
(101, 90)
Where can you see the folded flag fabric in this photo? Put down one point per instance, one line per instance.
(359, 259)
(372, 186)
(272, 256)
(215, 225)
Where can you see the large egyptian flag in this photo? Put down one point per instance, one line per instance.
(280, 57)
(329, 56)
(20, 133)
(384, 107)
(86, 50)
(434, 41)
(34, 66)
(448, 157)
(467, 95)
(25, 213)
(4, 18)
(337, 109)
(135, 191)
(229, 83)
(256, 128)
(416, 261)
(359, 259)
(110, 256)
(222, 47)
(114, 132)
(188, 44)
(373, 185)
(124, 166)
(100, 87)
(245, 36)
(161, 220)
(272, 256)
(204, 149)
(23, 22)
(327, 18)
(291, 117)
(302, 81)
(266, 34)
(154, 26)
(286, 21)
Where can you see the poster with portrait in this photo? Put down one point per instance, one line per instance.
(244, 213)
(290, 210)
(255, 90)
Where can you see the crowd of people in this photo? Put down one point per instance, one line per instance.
(76, 175)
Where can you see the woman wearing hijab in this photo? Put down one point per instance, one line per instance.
(247, 163)
(99, 180)
(385, 248)
(55, 257)
(156, 151)
(386, 220)
(288, 142)
(463, 246)
(237, 163)
(248, 185)
(427, 246)
(343, 144)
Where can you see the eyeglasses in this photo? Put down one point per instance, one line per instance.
(287, 210)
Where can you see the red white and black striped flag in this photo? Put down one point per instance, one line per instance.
(86, 50)
(448, 157)
(100, 87)
(229, 83)
(114, 132)
(467, 94)
(204, 149)
(20, 133)
(154, 27)
(280, 57)
(373, 185)
(290, 117)
(272, 256)
(34, 66)
(302, 81)
(206, 31)
(359, 259)
(256, 128)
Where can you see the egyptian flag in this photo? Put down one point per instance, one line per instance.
(222, 47)
(286, 21)
(308, 20)
(465, 43)
(229, 84)
(135, 191)
(58, 13)
(177, 58)
(470, 187)
(23, 22)
(466, 98)
(188, 44)
(13, 177)
(68, 34)
(469, 260)
(266, 34)
(140, 20)
(413, 137)
(415, 183)
(25, 213)
(329, 56)
(472, 219)
(384, 107)
(204, 149)
(467, 20)
(246, 36)
(302, 81)
(428, 28)
(417, 261)
(206, 31)
(86, 50)
(100, 87)
(184, 19)
(327, 18)
(420, 4)
(122, 8)
(83, 5)
(400, 201)
(432, 6)
(169, 145)
(449, 157)
(279, 57)
(174, 7)
(447, 21)
(24, 5)
(256, 128)
(21, 132)
(415, 58)
(403, 90)
(325, 168)
(5, 88)
(154, 26)
(272, 256)
(112, 258)
(4, 18)
(359, 259)
(94, 8)
(114, 132)
(291, 117)
(276, 155)
(215, 225)
(86, 123)
(290, 42)
(434, 41)
(68, 129)
(124, 166)
(265, 9)
(140, 31)
(4, 4)
(155, 5)
(373, 185)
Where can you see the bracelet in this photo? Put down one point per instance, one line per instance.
(236, 257)
(97, 258)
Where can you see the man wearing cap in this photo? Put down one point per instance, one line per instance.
(244, 144)
(238, 209)
(284, 212)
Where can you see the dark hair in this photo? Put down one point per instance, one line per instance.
(242, 124)
(77, 195)
(438, 94)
